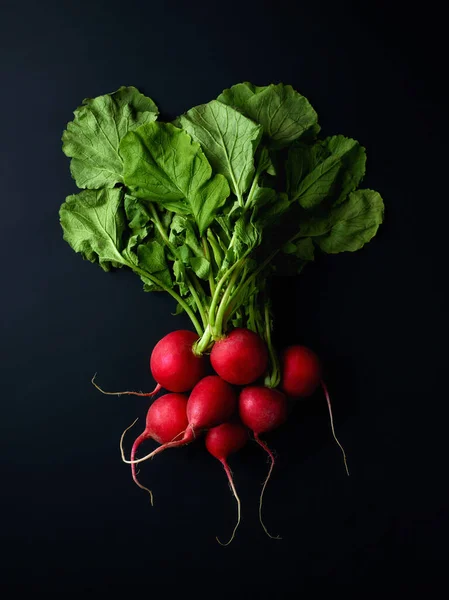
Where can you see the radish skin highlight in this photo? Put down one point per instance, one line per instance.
(263, 409)
(221, 441)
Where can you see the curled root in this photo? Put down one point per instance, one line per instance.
(138, 441)
(187, 434)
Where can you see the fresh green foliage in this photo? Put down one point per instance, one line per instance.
(228, 139)
(93, 224)
(326, 170)
(348, 226)
(162, 164)
(93, 138)
(208, 207)
(284, 114)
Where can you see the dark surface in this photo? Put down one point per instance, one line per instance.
(72, 518)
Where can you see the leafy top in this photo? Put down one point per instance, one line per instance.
(93, 138)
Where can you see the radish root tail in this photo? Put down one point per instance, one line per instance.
(326, 393)
(188, 436)
(133, 466)
(270, 454)
(145, 394)
(231, 483)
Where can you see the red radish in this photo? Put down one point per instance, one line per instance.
(262, 409)
(301, 371)
(221, 441)
(301, 376)
(166, 419)
(241, 357)
(173, 364)
(211, 402)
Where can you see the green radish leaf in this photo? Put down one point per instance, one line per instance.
(348, 226)
(302, 249)
(184, 254)
(284, 114)
(247, 236)
(201, 266)
(92, 139)
(152, 257)
(182, 234)
(239, 95)
(137, 214)
(262, 196)
(153, 260)
(228, 139)
(265, 163)
(163, 164)
(140, 225)
(180, 277)
(94, 225)
(330, 169)
(271, 208)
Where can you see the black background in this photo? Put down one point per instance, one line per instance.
(72, 519)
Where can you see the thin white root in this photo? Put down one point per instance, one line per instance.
(134, 474)
(142, 487)
(270, 454)
(326, 393)
(160, 448)
(144, 394)
(123, 436)
(231, 483)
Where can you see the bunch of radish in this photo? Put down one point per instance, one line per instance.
(228, 407)
(208, 208)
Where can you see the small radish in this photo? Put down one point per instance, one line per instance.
(221, 441)
(262, 409)
(166, 419)
(301, 376)
(301, 371)
(173, 364)
(211, 402)
(241, 357)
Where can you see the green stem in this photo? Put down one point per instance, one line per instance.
(172, 293)
(218, 329)
(251, 278)
(274, 377)
(208, 258)
(161, 229)
(216, 296)
(252, 315)
(198, 302)
(202, 345)
(175, 254)
(216, 249)
(251, 191)
(233, 305)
